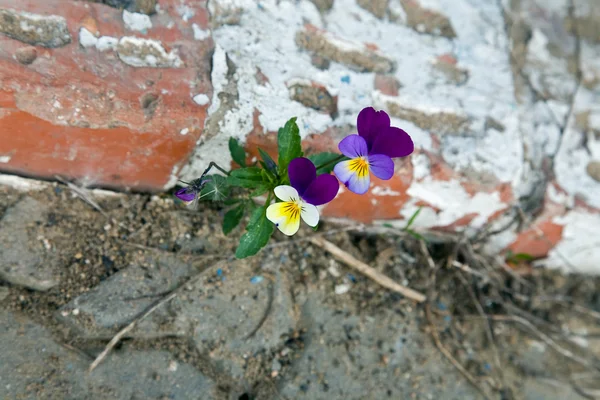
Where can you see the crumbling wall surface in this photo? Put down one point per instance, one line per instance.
(501, 99)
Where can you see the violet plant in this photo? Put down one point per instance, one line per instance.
(295, 185)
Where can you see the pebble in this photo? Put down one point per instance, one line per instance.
(341, 289)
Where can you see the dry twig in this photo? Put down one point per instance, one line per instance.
(369, 272)
(545, 338)
(85, 196)
(448, 355)
(170, 296)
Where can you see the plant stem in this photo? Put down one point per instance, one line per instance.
(338, 158)
(214, 164)
(268, 202)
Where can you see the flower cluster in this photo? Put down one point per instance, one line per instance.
(371, 151)
(296, 181)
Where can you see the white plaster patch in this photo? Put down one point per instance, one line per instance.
(199, 33)
(579, 249)
(87, 38)
(215, 149)
(22, 184)
(218, 77)
(172, 178)
(201, 99)
(184, 131)
(384, 191)
(139, 52)
(454, 202)
(5, 159)
(136, 21)
(421, 166)
(106, 43)
(185, 12)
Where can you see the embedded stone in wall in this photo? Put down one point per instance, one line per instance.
(376, 7)
(323, 5)
(26, 55)
(424, 20)
(593, 170)
(314, 96)
(141, 6)
(442, 122)
(446, 65)
(139, 52)
(387, 84)
(355, 55)
(39, 30)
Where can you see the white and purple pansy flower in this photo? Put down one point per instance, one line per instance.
(371, 151)
(299, 200)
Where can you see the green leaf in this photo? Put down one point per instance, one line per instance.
(415, 235)
(259, 230)
(238, 154)
(232, 218)
(412, 219)
(250, 177)
(289, 145)
(325, 161)
(260, 191)
(515, 258)
(269, 163)
(215, 189)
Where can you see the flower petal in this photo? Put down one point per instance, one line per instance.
(185, 194)
(283, 216)
(353, 146)
(322, 190)
(357, 181)
(393, 142)
(371, 123)
(381, 166)
(286, 193)
(310, 214)
(301, 172)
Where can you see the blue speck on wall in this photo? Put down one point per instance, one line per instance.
(345, 79)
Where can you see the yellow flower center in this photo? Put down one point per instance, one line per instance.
(360, 165)
(291, 209)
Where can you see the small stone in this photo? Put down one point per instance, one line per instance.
(201, 99)
(224, 13)
(26, 55)
(355, 55)
(424, 20)
(342, 289)
(593, 170)
(23, 260)
(35, 29)
(145, 6)
(387, 84)
(376, 7)
(314, 96)
(446, 65)
(323, 5)
(441, 122)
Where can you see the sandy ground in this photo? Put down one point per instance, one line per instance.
(291, 322)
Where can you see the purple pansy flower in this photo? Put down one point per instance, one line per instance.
(189, 194)
(299, 200)
(371, 150)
